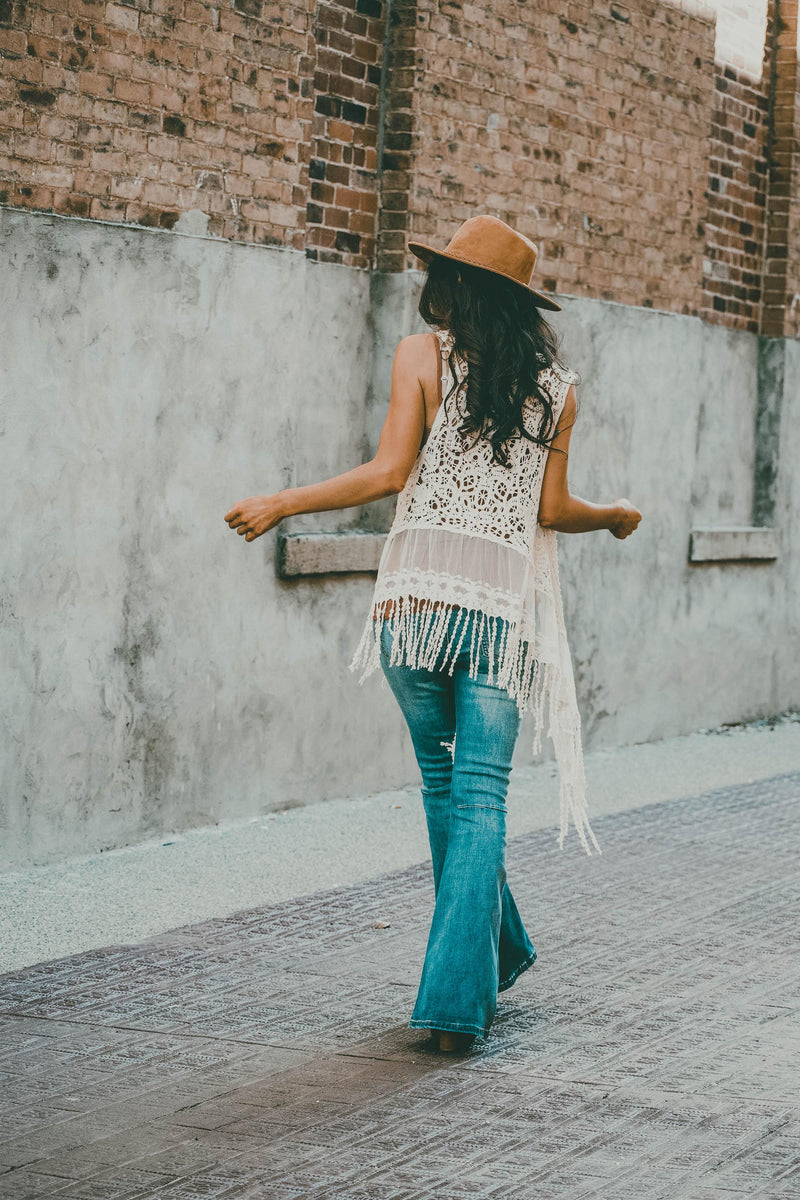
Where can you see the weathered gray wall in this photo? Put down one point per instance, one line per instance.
(157, 674)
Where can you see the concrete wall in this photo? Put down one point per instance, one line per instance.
(156, 673)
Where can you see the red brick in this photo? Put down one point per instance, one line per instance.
(590, 133)
(121, 17)
(132, 92)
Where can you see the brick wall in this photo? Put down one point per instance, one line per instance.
(140, 112)
(401, 136)
(343, 191)
(752, 267)
(735, 223)
(590, 144)
(781, 262)
(648, 173)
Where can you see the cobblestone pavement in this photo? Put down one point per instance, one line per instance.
(651, 1051)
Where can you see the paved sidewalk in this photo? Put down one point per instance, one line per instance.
(650, 1052)
(126, 895)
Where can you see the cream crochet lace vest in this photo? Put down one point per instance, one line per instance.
(466, 534)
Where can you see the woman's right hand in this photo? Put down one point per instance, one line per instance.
(626, 519)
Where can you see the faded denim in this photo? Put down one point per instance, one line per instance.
(464, 732)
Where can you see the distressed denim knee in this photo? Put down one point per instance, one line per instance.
(480, 785)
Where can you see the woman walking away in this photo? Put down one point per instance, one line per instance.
(466, 620)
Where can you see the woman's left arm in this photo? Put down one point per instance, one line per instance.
(559, 509)
(383, 475)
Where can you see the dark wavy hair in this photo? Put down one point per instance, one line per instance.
(507, 343)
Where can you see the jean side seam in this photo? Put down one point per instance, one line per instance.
(507, 982)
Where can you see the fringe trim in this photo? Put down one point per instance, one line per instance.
(565, 733)
(565, 723)
(420, 641)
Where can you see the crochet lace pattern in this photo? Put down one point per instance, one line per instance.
(466, 535)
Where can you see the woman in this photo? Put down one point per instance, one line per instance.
(466, 620)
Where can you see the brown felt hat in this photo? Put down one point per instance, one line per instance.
(489, 243)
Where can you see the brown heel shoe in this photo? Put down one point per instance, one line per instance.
(454, 1041)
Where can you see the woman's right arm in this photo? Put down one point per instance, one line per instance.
(560, 510)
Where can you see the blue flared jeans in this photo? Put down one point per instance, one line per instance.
(464, 731)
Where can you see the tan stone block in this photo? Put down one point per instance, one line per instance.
(121, 17)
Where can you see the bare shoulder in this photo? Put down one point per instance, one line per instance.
(416, 347)
(417, 356)
(570, 400)
(569, 409)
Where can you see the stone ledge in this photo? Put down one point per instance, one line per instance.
(733, 543)
(328, 553)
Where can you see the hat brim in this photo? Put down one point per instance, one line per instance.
(426, 253)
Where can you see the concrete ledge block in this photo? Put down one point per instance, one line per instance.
(733, 543)
(328, 553)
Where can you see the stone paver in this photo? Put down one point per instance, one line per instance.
(651, 1052)
(137, 892)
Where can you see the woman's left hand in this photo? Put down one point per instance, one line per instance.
(256, 515)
